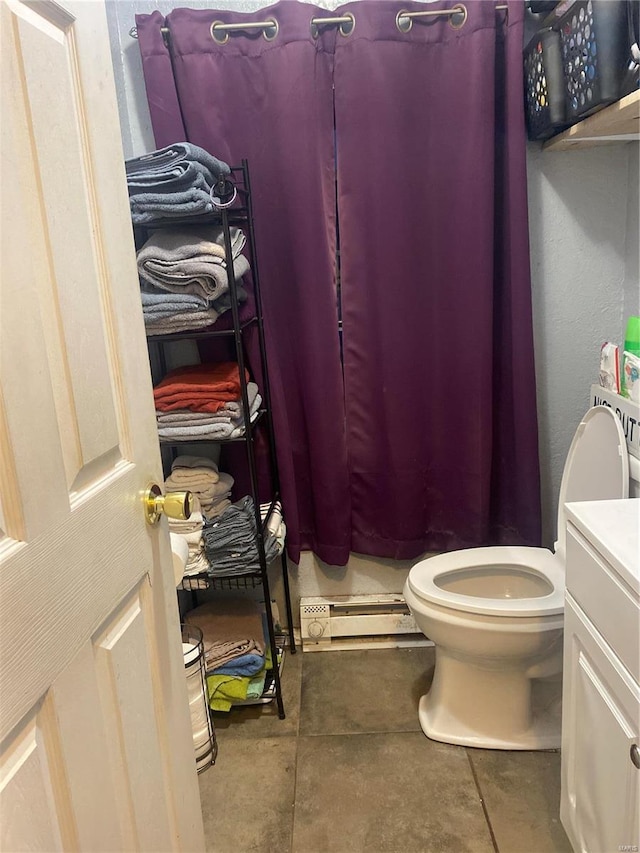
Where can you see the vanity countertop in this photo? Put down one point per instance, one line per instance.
(613, 527)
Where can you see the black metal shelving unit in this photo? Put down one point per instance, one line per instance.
(238, 213)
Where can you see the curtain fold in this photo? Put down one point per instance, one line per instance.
(429, 439)
(164, 107)
(271, 102)
(436, 306)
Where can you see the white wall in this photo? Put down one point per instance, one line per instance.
(583, 214)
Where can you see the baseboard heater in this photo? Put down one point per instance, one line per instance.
(358, 621)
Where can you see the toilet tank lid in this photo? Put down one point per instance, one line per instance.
(597, 466)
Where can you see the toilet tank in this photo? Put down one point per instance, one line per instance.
(629, 414)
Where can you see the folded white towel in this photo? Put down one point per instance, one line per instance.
(185, 416)
(186, 477)
(186, 461)
(203, 489)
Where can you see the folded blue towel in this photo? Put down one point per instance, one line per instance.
(243, 665)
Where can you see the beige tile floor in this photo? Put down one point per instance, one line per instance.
(349, 771)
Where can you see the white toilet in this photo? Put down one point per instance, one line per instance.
(495, 615)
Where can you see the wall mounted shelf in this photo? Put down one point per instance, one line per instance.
(619, 122)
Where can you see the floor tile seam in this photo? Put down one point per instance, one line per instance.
(300, 680)
(295, 796)
(485, 810)
(259, 736)
(356, 734)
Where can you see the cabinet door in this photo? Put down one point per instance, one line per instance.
(601, 706)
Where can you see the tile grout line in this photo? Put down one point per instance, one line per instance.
(482, 802)
(366, 732)
(295, 794)
(295, 766)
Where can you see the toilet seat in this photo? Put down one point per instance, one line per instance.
(597, 468)
(535, 561)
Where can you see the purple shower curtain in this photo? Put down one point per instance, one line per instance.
(436, 305)
(164, 107)
(439, 385)
(271, 102)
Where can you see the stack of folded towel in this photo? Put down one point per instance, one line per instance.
(235, 649)
(203, 401)
(230, 541)
(184, 280)
(201, 476)
(191, 530)
(173, 182)
(275, 526)
(227, 422)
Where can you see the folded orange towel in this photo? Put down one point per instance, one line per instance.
(199, 387)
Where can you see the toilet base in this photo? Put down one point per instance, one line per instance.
(491, 708)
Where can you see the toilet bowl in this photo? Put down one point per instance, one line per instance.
(495, 615)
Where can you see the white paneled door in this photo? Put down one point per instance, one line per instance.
(96, 749)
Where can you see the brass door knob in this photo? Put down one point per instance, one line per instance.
(174, 504)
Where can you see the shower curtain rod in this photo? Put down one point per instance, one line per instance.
(219, 26)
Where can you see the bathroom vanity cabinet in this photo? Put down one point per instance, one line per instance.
(600, 800)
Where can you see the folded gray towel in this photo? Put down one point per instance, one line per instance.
(180, 178)
(166, 312)
(169, 245)
(155, 299)
(184, 416)
(230, 541)
(166, 159)
(218, 431)
(187, 322)
(200, 277)
(190, 262)
(223, 302)
(159, 312)
(151, 207)
(188, 426)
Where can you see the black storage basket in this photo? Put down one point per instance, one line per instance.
(595, 52)
(544, 85)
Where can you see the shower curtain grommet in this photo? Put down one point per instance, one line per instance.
(457, 25)
(403, 23)
(345, 28)
(274, 26)
(223, 35)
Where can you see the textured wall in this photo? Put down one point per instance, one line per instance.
(584, 260)
(579, 205)
(632, 256)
